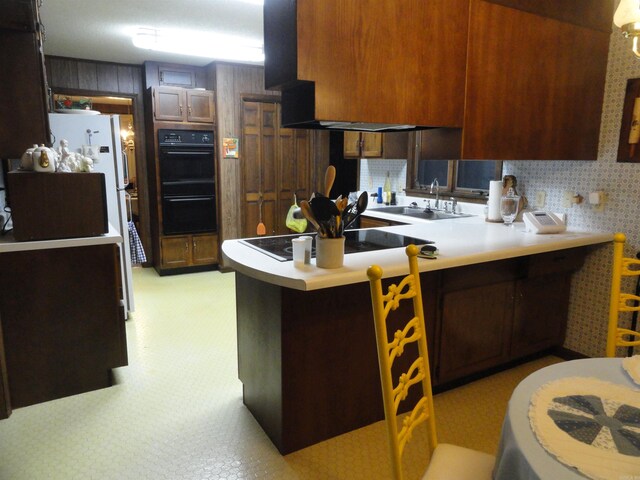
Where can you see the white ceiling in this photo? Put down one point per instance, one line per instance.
(101, 29)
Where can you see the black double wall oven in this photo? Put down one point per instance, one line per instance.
(188, 181)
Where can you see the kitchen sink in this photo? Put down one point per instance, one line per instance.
(420, 213)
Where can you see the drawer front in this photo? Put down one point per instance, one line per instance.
(560, 261)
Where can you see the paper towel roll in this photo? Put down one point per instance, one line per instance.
(495, 192)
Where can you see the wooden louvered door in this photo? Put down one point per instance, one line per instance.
(275, 165)
(259, 172)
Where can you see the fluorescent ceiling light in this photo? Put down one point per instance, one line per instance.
(199, 44)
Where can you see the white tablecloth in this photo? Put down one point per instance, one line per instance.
(520, 455)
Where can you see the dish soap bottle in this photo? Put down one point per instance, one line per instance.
(387, 190)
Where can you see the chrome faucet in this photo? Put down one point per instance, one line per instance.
(435, 183)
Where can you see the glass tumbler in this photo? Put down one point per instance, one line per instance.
(509, 207)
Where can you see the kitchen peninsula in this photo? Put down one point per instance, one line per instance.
(306, 345)
(61, 318)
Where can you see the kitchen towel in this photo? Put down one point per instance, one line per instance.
(135, 245)
(495, 193)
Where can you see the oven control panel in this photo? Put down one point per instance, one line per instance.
(184, 137)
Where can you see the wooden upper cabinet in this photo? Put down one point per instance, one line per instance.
(392, 145)
(175, 104)
(371, 145)
(176, 76)
(21, 44)
(352, 145)
(169, 104)
(535, 86)
(200, 106)
(19, 15)
(397, 62)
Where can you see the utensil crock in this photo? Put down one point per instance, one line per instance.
(329, 252)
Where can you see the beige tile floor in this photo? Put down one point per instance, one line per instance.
(176, 411)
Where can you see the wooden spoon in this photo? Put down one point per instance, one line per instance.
(261, 229)
(329, 178)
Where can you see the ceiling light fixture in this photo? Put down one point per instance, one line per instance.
(219, 47)
(627, 17)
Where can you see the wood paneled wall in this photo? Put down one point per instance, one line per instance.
(231, 83)
(88, 77)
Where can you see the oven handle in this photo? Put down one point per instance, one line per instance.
(207, 198)
(183, 152)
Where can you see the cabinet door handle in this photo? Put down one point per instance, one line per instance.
(195, 245)
(161, 77)
(180, 109)
(186, 246)
(189, 110)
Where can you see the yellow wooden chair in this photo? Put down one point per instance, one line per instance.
(447, 461)
(620, 301)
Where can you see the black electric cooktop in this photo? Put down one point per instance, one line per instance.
(355, 241)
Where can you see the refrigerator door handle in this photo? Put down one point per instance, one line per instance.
(127, 196)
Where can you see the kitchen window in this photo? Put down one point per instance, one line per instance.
(459, 178)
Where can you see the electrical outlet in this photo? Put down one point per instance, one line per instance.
(541, 198)
(599, 207)
(567, 199)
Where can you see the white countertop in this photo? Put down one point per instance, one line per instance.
(461, 241)
(9, 244)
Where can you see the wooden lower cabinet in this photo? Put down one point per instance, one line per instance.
(63, 326)
(370, 222)
(189, 250)
(478, 317)
(204, 249)
(496, 312)
(5, 402)
(475, 330)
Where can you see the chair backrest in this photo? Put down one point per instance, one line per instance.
(389, 349)
(621, 301)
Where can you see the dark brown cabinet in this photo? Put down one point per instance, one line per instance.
(474, 330)
(5, 401)
(470, 312)
(376, 145)
(174, 75)
(189, 250)
(178, 109)
(174, 104)
(55, 345)
(21, 40)
(500, 311)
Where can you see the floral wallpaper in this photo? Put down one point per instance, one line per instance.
(589, 304)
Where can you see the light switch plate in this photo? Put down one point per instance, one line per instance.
(541, 198)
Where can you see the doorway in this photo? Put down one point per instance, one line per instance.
(131, 145)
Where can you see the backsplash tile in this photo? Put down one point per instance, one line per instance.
(373, 173)
(589, 303)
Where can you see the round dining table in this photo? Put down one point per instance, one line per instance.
(520, 455)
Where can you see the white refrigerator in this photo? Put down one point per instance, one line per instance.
(102, 133)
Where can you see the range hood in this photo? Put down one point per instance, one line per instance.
(362, 65)
(298, 111)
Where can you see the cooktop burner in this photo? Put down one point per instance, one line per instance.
(355, 241)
